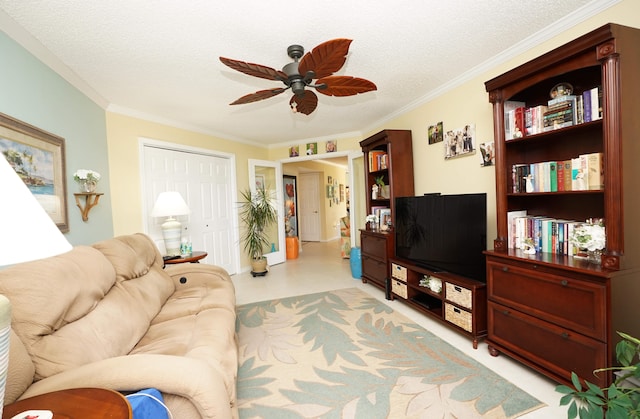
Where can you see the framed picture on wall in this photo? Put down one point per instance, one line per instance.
(260, 182)
(290, 205)
(38, 157)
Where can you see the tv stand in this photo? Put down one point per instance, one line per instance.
(458, 302)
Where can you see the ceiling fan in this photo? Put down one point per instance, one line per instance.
(318, 64)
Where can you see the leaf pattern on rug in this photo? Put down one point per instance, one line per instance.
(344, 354)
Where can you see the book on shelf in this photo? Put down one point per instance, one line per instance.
(547, 234)
(512, 243)
(582, 173)
(378, 160)
(510, 107)
(596, 103)
(595, 165)
(560, 112)
(579, 174)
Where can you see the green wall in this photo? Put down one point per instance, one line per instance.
(35, 94)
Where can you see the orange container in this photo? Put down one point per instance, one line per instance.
(292, 248)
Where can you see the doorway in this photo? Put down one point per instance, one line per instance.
(351, 163)
(207, 182)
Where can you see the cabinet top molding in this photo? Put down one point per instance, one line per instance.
(589, 43)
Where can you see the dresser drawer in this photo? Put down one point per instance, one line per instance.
(554, 348)
(374, 268)
(374, 246)
(569, 302)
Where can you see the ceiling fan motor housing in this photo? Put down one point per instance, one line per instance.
(295, 51)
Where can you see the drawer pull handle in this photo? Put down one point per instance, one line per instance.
(565, 335)
(505, 269)
(506, 312)
(457, 310)
(564, 282)
(458, 289)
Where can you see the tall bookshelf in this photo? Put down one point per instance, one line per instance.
(387, 155)
(551, 311)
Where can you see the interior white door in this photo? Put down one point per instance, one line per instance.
(269, 174)
(206, 183)
(309, 206)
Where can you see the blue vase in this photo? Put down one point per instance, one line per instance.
(356, 262)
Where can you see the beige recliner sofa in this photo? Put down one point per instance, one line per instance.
(110, 316)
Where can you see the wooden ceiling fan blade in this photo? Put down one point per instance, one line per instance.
(304, 103)
(256, 70)
(344, 86)
(326, 58)
(259, 95)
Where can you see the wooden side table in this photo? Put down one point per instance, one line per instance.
(194, 258)
(85, 403)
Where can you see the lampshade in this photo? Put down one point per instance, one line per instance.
(28, 233)
(170, 204)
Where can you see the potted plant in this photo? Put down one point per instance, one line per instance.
(258, 212)
(620, 400)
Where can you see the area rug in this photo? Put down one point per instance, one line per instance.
(344, 354)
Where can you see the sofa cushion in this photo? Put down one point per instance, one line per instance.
(65, 308)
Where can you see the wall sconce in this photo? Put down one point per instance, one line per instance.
(91, 199)
(171, 204)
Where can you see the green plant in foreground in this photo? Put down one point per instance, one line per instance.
(618, 401)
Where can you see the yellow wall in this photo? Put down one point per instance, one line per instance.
(465, 104)
(123, 135)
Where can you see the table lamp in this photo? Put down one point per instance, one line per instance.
(170, 204)
(28, 233)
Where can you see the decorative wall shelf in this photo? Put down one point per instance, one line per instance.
(91, 199)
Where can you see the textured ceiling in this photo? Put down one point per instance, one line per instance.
(159, 59)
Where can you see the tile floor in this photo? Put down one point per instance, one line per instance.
(320, 268)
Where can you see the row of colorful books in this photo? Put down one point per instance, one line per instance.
(585, 172)
(378, 160)
(547, 235)
(560, 112)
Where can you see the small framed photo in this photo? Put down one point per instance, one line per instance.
(435, 133)
(460, 142)
(260, 182)
(331, 146)
(294, 151)
(312, 148)
(487, 154)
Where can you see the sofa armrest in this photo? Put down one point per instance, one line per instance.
(198, 274)
(190, 378)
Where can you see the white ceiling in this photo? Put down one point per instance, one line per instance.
(159, 59)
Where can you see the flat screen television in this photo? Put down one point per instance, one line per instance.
(443, 232)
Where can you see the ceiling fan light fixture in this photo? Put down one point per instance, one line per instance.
(297, 86)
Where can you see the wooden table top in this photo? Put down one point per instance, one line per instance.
(195, 256)
(85, 403)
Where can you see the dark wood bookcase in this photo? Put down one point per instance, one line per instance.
(378, 246)
(552, 312)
